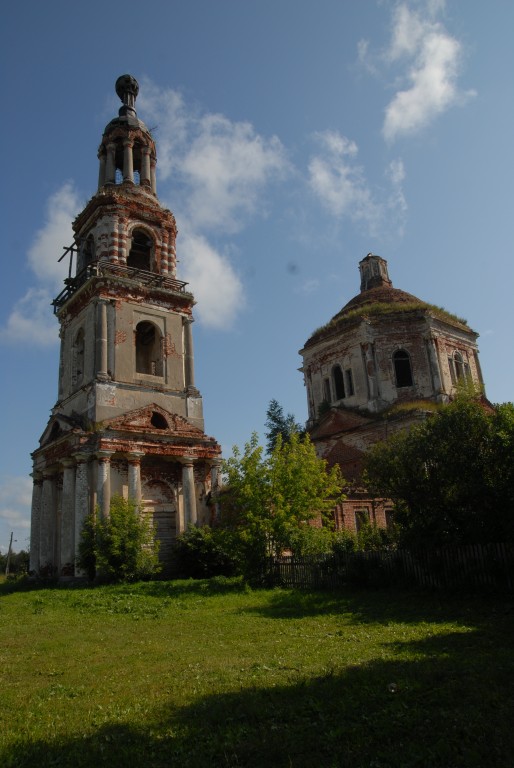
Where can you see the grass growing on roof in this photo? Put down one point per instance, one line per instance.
(387, 308)
(201, 673)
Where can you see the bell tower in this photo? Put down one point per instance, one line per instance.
(128, 418)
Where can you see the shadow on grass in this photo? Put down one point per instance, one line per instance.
(158, 589)
(451, 705)
(384, 606)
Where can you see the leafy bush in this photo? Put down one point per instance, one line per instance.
(344, 541)
(120, 547)
(267, 501)
(311, 540)
(204, 552)
(371, 538)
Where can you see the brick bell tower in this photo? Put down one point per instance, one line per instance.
(128, 418)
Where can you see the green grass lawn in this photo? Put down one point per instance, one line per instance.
(214, 674)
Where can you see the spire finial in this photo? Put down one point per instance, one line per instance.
(127, 89)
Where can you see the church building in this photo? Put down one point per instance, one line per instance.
(378, 366)
(128, 418)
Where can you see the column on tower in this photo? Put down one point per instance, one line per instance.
(104, 481)
(101, 168)
(128, 160)
(47, 527)
(101, 339)
(134, 476)
(433, 364)
(110, 167)
(35, 521)
(145, 167)
(188, 490)
(215, 483)
(188, 353)
(68, 517)
(153, 176)
(81, 501)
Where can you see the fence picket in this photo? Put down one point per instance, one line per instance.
(474, 565)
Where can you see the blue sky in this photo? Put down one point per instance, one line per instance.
(293, 137)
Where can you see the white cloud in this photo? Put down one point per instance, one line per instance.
(212, 279)
(309, 286)
(221, 166)
(218, 170)
(166, 115)
(341, 186)
(15, 503)
(226, 168)
(30, 320)
(56, 233)
(433, 58)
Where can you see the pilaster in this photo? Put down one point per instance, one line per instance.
(35, 521)
(68, 518)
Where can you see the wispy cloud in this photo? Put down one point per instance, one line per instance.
(227, 166)
(56, 233)
(15, 501)
(215, 168)
(340, 183)
(433, 60)
(217, 288)
(30, 320)
(218, 170)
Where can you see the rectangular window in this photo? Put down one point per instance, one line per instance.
(361, 518)
(349, 382)
(389, 518)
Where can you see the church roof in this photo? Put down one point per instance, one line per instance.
(378, 297)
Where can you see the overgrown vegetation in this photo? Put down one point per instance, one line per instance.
(452, 476)
(279, 424)
(120, 547)
(210, 673)
(386, 308)
(18, 563)
(268, 499)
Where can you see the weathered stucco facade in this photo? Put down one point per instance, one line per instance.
(375, 368)
(129, 418)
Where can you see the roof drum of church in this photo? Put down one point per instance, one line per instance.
(384, 294)
(377, 298)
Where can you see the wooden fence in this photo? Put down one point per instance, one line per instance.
(470, 567)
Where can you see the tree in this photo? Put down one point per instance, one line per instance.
(278, 424)
(201, 553)
(121, 546)
(451, 477)
(268, 499)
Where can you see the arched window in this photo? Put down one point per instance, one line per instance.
(148, 349)
(77, 371)
(402, 368)
(338, 381)
(140, 251)
(86, 254)
(118, 176)
(158, 421)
